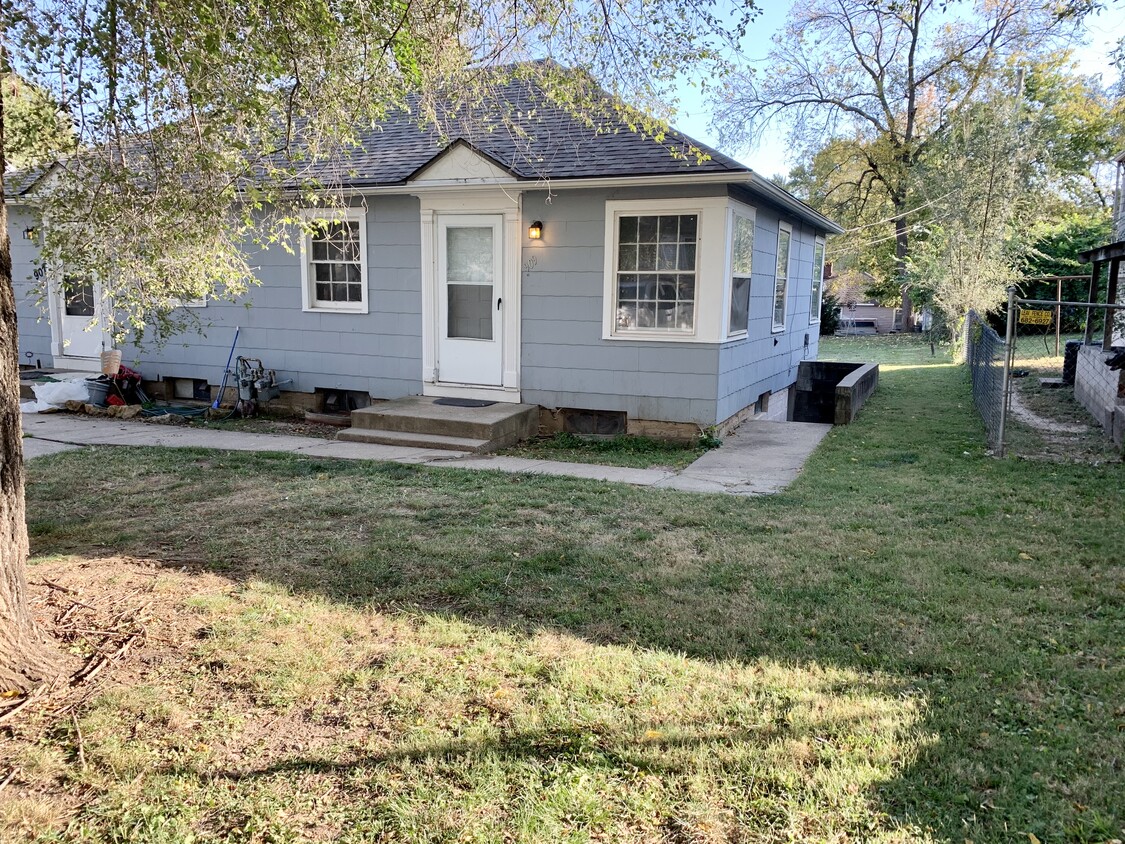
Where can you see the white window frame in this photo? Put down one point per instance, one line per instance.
(817, 282)
(191, 303)
(780, 327)
(747, 212)
(309, 302)
(711, 260)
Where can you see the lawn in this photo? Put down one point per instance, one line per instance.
(625, 450)
(885, 349)
(915, 642)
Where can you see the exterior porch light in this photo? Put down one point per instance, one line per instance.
(30, 233)
(535, 230)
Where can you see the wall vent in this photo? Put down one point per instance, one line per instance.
(601, 423)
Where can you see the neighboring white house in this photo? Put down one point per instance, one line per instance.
(597, 270)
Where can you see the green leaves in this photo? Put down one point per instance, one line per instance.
(204, 124)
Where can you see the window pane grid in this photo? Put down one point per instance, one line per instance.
(335, 259)
(656, 272)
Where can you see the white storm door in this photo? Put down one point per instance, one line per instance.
(79, 305)
(470, 267)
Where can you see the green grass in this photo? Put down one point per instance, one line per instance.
(625, 450)
(915, 642)
(892, 349)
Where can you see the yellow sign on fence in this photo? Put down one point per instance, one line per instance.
(1032, 317)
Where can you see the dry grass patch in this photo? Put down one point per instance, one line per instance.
(254, 714)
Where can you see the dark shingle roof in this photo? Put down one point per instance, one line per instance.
(517, 126)
(521, 129)
(19, 182)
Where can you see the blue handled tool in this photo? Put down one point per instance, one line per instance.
(226, 372)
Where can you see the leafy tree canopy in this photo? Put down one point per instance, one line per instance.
(36, 130)
(883, 82)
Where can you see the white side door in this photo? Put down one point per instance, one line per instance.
(470, 267)
(79, 305)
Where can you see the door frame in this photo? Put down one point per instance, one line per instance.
(506, 203)
(480, 357)
(56, 314)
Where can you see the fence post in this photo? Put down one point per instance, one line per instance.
(1007, 382)
(1058, 319)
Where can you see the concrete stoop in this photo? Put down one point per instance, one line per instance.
(417, 422)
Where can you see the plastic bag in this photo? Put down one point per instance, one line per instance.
(53, 394)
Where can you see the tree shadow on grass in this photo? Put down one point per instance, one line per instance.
(895, 558)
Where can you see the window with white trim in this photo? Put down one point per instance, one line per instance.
(334, 262)
(781, 277)
(741, 262)
(817, 281)
(655, 280)
(668, 269)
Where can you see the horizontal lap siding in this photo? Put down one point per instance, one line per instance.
(756, 364)
(34, 326)
(565, 362)
(379, 353)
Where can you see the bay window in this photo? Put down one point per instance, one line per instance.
(817, 281)
(781, 276)
(741, 263)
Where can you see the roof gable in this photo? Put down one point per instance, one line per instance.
(461, 163)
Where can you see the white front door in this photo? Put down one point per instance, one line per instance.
(470, 286)
(79, 305)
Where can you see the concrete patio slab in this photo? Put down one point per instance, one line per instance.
(760, 458)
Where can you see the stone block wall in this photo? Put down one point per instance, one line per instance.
(1101, 391)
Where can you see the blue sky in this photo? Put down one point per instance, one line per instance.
(771, 155)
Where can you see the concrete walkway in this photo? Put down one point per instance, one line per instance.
(758, 459)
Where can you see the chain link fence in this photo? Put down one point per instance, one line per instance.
(985, 355)
(1023, 385)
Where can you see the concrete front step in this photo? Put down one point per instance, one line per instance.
(418, 421)
(412, 440)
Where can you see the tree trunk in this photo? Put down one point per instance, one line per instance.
(902, 249)
(26, 659)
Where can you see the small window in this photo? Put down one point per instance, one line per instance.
(741, 261)
(781, 279)
(656, 272)
(817, 282)
(335, 267)
(78, 296)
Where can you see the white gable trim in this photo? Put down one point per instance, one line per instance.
(460, 164)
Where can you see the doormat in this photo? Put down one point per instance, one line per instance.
(464, 403)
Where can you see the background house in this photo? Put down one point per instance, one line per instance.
(660, 287)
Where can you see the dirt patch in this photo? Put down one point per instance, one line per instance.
(1049, 424)
(117, 621)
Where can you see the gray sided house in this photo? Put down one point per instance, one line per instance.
(575, 269)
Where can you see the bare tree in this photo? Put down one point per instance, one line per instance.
(883, 78)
